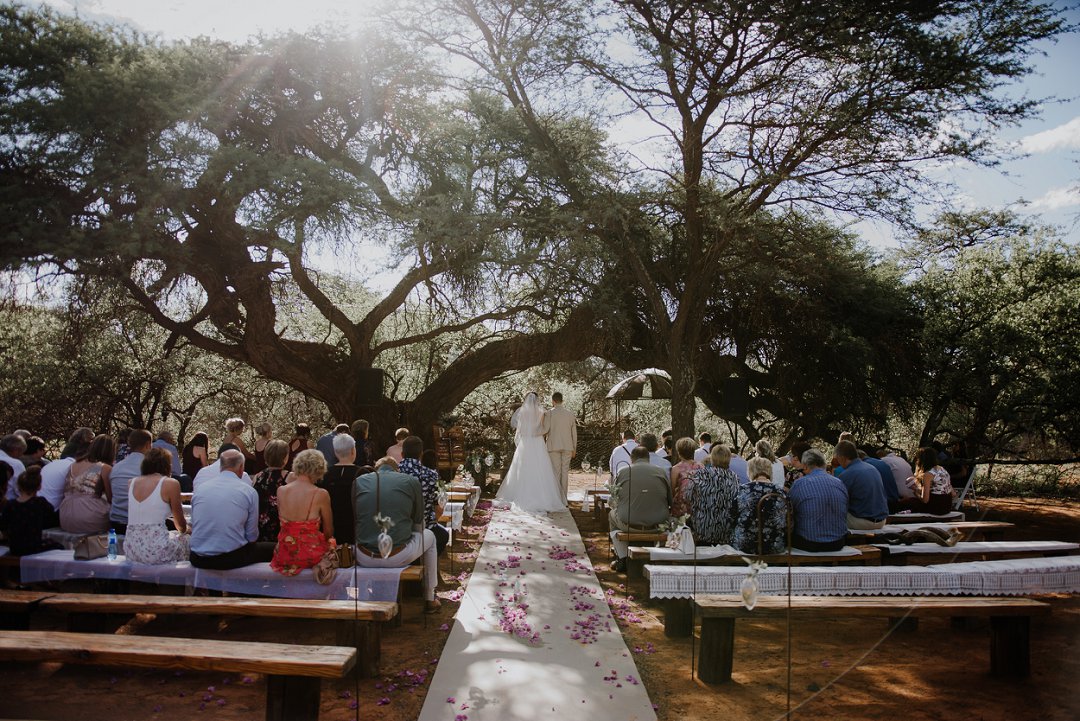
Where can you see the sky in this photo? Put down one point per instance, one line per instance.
(1046, 178)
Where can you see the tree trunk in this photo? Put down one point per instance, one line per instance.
(683, 401)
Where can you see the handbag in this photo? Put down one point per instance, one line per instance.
(681, 539)
(346, 555)
(88, 548)
(325, 571)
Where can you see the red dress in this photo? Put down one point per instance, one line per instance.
(300, 545)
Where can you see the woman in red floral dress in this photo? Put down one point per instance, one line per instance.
(305, 515)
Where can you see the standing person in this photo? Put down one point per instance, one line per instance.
(167, 441)
(620, 455)
(54, 475)
(867, 506)
(764, 449)
(306, 518)
(530, 483)
(153, 497)
(234, 427)
(225, 519)
(394, 451)
(641, 500)
(87, 493)
(365, 447)
(264, 433)
(701, 455)
(412, 448)
(680, 476)
(195, 456)
(325, 444)
(652, 446)
(398, 497)
(122, 448)
(299, 442)
(338, 482)
(12, 446)
(123, 471)
(266, 483)
(560, 436)
(738, 467)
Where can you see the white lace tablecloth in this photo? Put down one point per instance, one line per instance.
(456, 511)
(707, 553)
(1016, 577)
(965, 547)
(365, 584)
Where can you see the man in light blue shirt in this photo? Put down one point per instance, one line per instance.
(868, 508)
(738, 467)
(225, 520)
(651, 443)
(166, 440)
(123, 471)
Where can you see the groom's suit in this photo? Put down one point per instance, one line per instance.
(560, 433)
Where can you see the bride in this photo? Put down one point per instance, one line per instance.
(530, 483)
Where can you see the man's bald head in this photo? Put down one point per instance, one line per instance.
(233, 460)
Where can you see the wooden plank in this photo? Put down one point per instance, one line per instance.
(640, 536)
(21, 600)
(205, 605)
(178, 653)
(730, 606)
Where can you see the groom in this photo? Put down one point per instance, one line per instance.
(560, 433)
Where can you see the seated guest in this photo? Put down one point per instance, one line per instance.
(5, 480)
(35, 452)
(12, 446)
(306, 519)
(667, 445)
(701, 455)
(338, 482)
(620, 455)
(640, 500)
(122, 448)
(266, 484)
(796, 470)
(680, 475)
(54, 475)
(934, 489)
(167, 441)
(738, 467)
(901, 472)
(411, 450)
(397, 496)
(713, 495)
(87, 492)
(195, 456)
(23, 519)
(139, 442)
(154, 496)
(867, 507)
(892, 496)
(819, 502)
(365, 447)
(652, 444)
(214, 469)
(761, 525)
(225, 519)
(299, 442)
(764, 449)
(394, 451)
(325, 444)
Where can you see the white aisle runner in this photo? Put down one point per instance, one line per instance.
(561, 657)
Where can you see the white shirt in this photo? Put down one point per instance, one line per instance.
(778, 473)
(213, 471)
(17, 468)
(621, 457)
(659, 461)
(53, 480)
(901, 471)
(701, 454)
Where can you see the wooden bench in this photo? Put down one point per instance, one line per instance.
(868, 556)
(294, 672)
(921, 554)
(1010, 622)
(990, 530)
(15, 608)
(360, 620)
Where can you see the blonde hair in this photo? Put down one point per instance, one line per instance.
(759, 467)
(234, 425)
(720, 456)
(264, 429)
(310, 463)
(685, 447)
(401, 434)
(764, 449)
(387, 461)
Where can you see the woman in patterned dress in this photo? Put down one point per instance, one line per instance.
(266, 484)
(87, 491)
(680, 475)
(307, 520)
(712, 494)
(934, 490)
(772, 519)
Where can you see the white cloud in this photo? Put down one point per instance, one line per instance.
(1058, 198)
(1063, 137)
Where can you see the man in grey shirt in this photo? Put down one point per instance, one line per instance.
(225, 520)
(641, 500)
(399, 497)
(123, 471)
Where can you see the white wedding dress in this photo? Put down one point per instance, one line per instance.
(530, 482)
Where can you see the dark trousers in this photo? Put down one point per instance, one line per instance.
(442, 537)
(255, 552)
(802, 544)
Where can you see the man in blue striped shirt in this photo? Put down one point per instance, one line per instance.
(820, 503)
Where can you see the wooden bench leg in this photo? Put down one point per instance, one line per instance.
(717, 649)
(367, 637)
(635, 569)
(678, 617)
(15, 620)
(292, 698)
(1010, 646)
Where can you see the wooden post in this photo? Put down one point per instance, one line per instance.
(717, 649)
(366, 638)
(1010, 646)
(292, 698)
(635, 569)
(678, 617)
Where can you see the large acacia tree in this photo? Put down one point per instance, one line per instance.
(756, 105)
(213, 181)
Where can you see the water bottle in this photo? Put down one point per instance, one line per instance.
(112, 544)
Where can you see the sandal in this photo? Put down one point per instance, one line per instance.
(432, 606)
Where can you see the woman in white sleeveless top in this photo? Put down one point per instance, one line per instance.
(152, 497)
